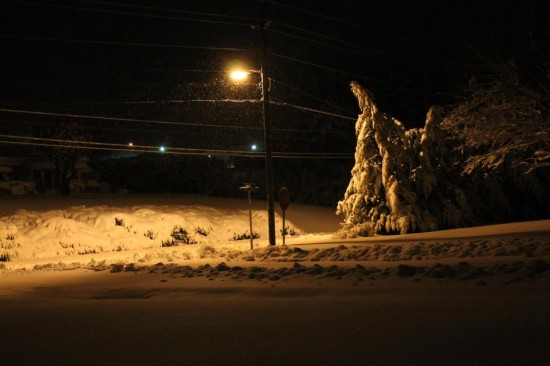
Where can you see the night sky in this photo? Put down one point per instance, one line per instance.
(167, 61)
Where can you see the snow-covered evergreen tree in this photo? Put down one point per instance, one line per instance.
(403, 180)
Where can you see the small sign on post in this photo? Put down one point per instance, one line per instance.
(284, 201)
(249, 188)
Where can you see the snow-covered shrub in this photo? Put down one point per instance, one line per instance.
(199, 230)
(288, 231)
(150, 234)
(169, 243)
(245, 235)
(181, 235)
(207, 251)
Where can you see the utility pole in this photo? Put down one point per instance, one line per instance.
(270, 186)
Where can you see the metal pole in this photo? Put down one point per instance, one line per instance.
(284, 229)
(250, 219)
(267, 133)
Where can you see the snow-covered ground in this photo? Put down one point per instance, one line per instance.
(160, 279)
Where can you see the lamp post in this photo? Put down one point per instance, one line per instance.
(241, 75)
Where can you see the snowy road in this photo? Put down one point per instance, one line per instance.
(135, 319)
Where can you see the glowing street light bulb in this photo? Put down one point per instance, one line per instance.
(253, 147)
(130, 144)
(239, 75)
(162, 149)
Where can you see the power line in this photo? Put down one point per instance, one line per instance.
(113, 43)
(218, 15)
(138, 102)
(327, 68)
(109, 128)
(341, 21)
(185, 101)
(186, 47)
(87, 127)
(126, 13)
(284, 104)
(310, 95)
(317, 65)
(168, 10)
(315, 13)
(127, 149)
(95, 127)
(317, 42)
(391, 59)
(110, 68)
(90, 145)
(330, 38)
(122, 119)
(94, 143)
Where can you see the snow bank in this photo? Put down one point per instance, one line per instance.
(81, 230)
(197, 240)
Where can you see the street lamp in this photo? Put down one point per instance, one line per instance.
(241, 75)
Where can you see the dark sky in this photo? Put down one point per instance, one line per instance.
(84, 57)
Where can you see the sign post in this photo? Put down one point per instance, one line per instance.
(284, 201)
(249, 188)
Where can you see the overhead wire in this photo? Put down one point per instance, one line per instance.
(286, 34)
(165, 46)
(338, 20)
(95, 143)
(327, 68)
(285, 104)
(111, 3)
(113, 43)
(324, 36)
(309, 95)
(342, 72)
(395, 60)
(201, 47)
(180, 101)
(139, 133)
(161, 122)
(123, 119)
(112, 149)
(87, 127)
(118, 12)
(111, 68)
(168, 101)
(92, 145)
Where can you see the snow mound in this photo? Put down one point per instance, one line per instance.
(82, 230)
